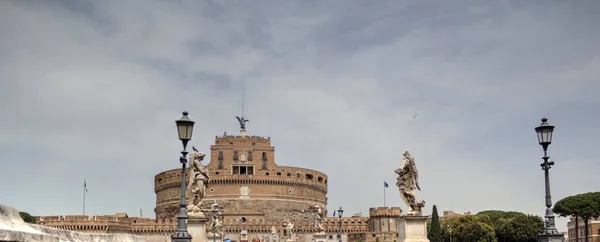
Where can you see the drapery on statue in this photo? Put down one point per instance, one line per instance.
(216, 225)
(319, 220)
(408, 183)
(242, 121)
(198, 182)
(274, 234)
(289, 228)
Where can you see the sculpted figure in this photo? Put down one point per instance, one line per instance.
(320, 216)
(289, 226)
(274, 234)
(198, 182)
(216, 224)
(408, 183)
(242, 121)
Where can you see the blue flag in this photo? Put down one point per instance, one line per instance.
(385, 184)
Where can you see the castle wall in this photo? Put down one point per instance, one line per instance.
(243, 173)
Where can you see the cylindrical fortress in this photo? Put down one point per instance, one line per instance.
(247, 182)
(383, 219)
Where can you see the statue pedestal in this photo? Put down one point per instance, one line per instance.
(412, 228)
(196, 228)
(320, 237)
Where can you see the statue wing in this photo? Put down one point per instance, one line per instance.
(238, 118)
(194, 148)
(247, 120)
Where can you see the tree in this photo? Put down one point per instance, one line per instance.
(472, 228)
(522, 228)
(512, 226)
(28, 218)
(435, 230)
(584, 206)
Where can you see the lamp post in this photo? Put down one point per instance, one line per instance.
(340, 212)
(185, 127)
(544, 135)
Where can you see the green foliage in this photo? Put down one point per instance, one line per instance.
(473, 228)
(28, 218)
(584, 206)
(522, 228)
(435, 230)
(495, 215)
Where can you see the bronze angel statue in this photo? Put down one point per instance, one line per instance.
(408, 183)
(242, 121)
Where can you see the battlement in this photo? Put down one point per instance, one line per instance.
(238, 139)
(385, 212)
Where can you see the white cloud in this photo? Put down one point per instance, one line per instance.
(91, 90)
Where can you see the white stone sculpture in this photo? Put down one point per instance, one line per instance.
(408, 183)
(289, 228)
(274, 234)
(216, 224)
(198, 182)
(320, 212)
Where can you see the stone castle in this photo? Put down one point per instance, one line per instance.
(255, 194)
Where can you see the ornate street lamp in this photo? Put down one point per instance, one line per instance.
(544, 135)
(340, 212)
(185, 127)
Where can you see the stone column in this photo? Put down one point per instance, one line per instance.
(197, 228)
(412, 228)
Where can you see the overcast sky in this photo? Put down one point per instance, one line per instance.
(91, 90)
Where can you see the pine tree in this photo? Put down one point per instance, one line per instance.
(435, 231)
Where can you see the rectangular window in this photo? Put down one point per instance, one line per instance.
(220, 155)
(264, 156)
(249, 155)
(235, 155)
(242, 170)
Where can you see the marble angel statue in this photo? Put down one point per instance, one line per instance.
(408, 183)
(320, 212)
(289, 228)
(274, 234)
(198, 182)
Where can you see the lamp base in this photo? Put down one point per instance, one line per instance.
(551, 238)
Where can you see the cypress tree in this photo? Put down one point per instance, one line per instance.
(435, 231)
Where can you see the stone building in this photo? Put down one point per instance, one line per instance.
(593, 230)
(255, 193)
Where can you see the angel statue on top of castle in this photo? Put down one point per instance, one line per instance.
(198, 182)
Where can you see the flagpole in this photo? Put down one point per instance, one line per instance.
(84, 196)
(384, 196)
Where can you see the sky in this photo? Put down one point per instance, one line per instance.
(91, 89)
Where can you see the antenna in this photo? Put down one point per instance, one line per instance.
(243, 96)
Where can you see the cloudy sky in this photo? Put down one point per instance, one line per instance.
(91, 89)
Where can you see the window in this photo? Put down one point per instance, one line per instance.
(320, 179)
(279, 173)
(242, 170)
(298, 174)
(264, 156)
(220, 155)
(249, 155)
(235, 155)
(309, 176)
(244, 220)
